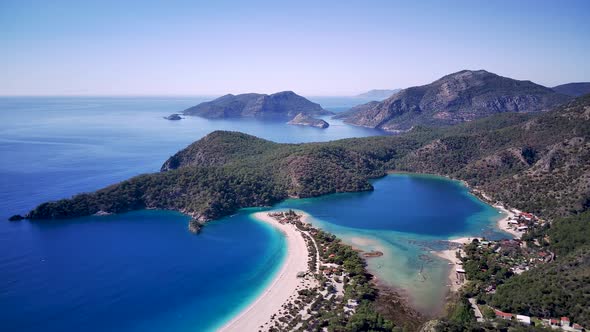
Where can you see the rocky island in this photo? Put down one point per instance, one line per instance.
(306, 120)
(173, 117)
(281, 106)
(459, 97)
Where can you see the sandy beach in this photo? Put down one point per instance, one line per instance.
(281, 288)
(503, 223)
(451, 256)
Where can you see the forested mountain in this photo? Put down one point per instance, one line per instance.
(459, 97)
(536, 162)
(282, 106)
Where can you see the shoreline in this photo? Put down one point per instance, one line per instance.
(281, 288)
(503, 222)
(450, 255)
(456, 279)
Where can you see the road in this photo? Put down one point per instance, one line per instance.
(476, 310)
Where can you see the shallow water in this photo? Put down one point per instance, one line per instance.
(405, 217)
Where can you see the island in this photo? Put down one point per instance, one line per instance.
(281, 106)
(173, 117)
(460, 97)
(16, 217)
(305, 120)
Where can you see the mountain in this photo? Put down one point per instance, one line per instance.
(306, 120)
(278, 106)
(378, 94)
(534, 162)
(460, 97)
(573, 89)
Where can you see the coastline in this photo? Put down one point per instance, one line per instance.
(455, 279)
(281, 288)
(503, 222)
(269, 304)
(450, 255)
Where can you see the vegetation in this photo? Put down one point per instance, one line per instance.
(539, 163)
(344, 299)
(559, 288)
(551, 289)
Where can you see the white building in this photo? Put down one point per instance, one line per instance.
(524, 319)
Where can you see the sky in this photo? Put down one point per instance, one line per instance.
(310, 47)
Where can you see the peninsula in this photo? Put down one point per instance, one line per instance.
(322, 283)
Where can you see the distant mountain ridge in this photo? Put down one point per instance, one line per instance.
(277, 106)
(573, 89)
(459, 97)
(378, 94)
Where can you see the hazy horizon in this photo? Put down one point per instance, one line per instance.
(183, 48)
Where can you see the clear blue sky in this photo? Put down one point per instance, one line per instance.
(311, 47)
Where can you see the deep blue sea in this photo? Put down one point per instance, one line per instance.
(143, 271)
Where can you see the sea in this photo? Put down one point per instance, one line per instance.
(143, 270)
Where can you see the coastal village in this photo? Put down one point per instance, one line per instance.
(334, 288)
(490, 263)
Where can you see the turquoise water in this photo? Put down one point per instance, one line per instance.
(143, 271)
(406, 217)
